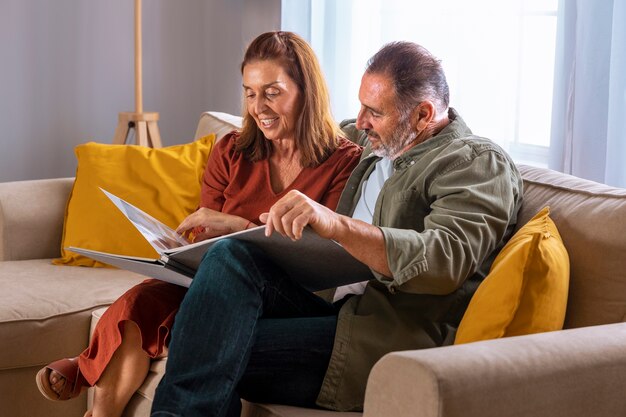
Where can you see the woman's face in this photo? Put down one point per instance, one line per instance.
(272, 99)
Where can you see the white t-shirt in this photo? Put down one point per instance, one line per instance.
(364, 211)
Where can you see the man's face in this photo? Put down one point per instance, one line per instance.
(389, 132)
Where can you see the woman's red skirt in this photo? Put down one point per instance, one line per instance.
(152, 305)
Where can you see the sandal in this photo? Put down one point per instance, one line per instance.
(67, 369)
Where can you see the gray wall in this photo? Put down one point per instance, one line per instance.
(67, 70)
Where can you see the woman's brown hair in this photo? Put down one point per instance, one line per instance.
(316, 132)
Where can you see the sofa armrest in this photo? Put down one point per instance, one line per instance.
(577, 372)
(31, 218)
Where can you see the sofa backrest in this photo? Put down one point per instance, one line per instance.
(31, 218)
(218, 123)
(591, 219)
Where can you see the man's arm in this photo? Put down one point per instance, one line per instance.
(462, 214)
(472, 208)
(363, 241)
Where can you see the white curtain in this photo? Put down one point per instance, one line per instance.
(589, 108)
(498, 57)
(543, 78)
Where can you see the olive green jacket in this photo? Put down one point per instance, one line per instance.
(448, 208)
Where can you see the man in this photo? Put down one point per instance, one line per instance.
(427, 209)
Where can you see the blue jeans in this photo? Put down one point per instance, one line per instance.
(244, 329)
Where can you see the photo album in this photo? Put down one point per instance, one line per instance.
(314, 262)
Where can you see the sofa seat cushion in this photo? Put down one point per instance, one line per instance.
(274, 410)
(45, 310)
(141, 403)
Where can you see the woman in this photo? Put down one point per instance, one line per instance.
(288, 141)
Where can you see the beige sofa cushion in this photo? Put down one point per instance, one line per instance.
(27, 231)
(218, 123)
(141, 402)
(591, 219)
(45, 310)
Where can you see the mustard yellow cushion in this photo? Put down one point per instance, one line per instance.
(526, 289)
(163, 182)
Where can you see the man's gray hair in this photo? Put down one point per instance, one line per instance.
(416, 75)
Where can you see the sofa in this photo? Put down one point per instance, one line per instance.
(47, 312)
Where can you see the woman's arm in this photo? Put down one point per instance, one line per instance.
(208, 220)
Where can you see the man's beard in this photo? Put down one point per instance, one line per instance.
(401, 137)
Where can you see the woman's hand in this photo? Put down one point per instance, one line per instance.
(292, 213)
(205, 223)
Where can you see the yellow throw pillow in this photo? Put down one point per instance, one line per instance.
(163, 182)
(526, 289)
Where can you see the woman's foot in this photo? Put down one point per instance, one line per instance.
(61, 380)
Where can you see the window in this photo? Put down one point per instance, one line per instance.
(498, 57)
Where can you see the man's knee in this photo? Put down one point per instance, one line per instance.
(231, 249)
(232, 261)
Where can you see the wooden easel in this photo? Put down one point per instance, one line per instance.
(145, 124)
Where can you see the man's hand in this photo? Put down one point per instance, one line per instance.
(206, 223)
(292, 213)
